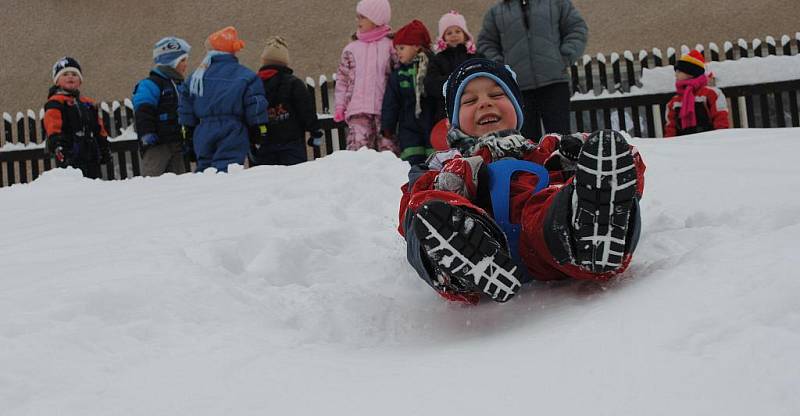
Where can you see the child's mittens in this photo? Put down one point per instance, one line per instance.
(437, 160)
(496, 146)
(460, 175)
(570, 146)
(338, 116)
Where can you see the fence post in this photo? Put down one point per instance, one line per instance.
(573, 76)
(630, 70)
(772, 48)
(601, 69)
(32, 136)
(742, 47)
(616, 72)
(105, 115)
(116, 110)
(130, 119)
(728, 48)
(588, 73)
(713, 51)
(325, 99)
(786, 44)
(7, 135)
(757, 49)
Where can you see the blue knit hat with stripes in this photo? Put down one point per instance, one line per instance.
(479, 67)
(170, 50)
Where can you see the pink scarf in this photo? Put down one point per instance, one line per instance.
(688, 88)
(374, 35)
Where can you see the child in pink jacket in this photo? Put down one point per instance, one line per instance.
(361, 79)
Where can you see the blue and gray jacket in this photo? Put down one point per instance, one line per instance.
(155, 103)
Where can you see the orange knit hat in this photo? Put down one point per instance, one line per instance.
(225, 40)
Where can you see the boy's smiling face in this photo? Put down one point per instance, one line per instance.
(69, 80)
(485, 108)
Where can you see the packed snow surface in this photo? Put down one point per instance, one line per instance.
(285, 291)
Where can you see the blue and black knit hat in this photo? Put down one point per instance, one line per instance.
(170, 50)
(478, 67)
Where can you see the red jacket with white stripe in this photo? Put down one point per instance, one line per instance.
(711, 110)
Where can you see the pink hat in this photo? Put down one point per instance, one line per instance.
(379, 11)
(450, 19)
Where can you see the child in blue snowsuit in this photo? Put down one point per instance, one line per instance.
(224, 105)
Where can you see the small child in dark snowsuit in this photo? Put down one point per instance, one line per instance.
(454, 46)
(75, 132)
(696, 107)
(479, 219)
(291, 110)
(407, 111)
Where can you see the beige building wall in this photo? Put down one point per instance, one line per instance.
(112, 39)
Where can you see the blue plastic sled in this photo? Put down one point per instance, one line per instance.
(500, 174)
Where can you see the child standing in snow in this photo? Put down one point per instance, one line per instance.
(291, 109)
(696, 107)
(75, 132)
(454, 46)
(224, 105)
(407, 110)
(584, 227)
(155, 103)
(361, 79)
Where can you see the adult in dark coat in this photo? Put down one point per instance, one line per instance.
(539, 40)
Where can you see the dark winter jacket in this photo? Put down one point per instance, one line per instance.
(398, 114)
(155, 103)
(73, 123)
(291, 106)
(539, 39)
(232, 102)
(444, 63)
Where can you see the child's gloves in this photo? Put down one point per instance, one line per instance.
(315, 139)
(338, 116)
(460, 176)
(149, 139)
(496, 146)
(437, 160)
(258, 135)
(570, 146)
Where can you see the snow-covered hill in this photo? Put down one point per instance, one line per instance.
(285, 291)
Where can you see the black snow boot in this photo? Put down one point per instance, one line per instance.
(469, 248)
(605, 192)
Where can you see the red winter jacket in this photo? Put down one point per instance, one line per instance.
(711, 109)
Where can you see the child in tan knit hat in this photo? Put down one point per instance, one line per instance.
(291, 109)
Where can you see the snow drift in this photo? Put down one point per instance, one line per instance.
(281, 290)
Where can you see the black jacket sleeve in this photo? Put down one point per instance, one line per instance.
(436, 77)
(304, 105)
(390, 110)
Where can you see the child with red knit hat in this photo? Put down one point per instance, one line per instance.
(454, 46)
(408, 111)
(696, 107)
(361, 79)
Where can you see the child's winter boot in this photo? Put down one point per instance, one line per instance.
(603, 198)
(468, 249)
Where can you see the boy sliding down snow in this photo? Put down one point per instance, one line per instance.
(583, 227)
